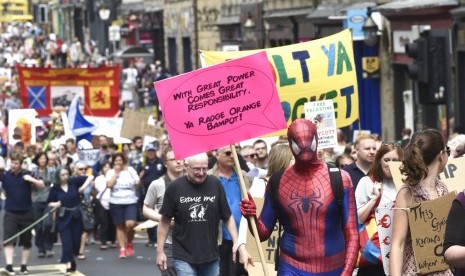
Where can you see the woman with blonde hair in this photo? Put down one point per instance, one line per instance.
(425, 157)
(280, 158)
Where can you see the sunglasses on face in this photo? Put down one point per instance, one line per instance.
(253, 155)
(228, 153)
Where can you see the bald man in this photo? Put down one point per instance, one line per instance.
(197, 202)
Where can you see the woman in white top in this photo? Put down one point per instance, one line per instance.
(280, 158)
(123, 181)
(106, 229)
(377, 189)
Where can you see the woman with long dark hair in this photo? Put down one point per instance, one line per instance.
(123, 181)
(65, 195)
(425, 157)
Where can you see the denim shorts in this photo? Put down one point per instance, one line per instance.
(187, 269)
(123, 212)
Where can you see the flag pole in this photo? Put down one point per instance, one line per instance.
(252, 220)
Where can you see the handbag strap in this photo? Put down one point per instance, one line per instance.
(379, 198)
(100, 196)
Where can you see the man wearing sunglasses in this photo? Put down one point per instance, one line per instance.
(226, 172)
(250, 156)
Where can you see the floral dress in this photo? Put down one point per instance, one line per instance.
(419, 194)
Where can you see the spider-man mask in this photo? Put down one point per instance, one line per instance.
(303, 139)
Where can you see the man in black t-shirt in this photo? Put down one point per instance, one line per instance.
(198, 203)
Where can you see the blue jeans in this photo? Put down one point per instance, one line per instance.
(187, 269)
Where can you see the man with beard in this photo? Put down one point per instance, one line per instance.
(198, 203)
(135, 155)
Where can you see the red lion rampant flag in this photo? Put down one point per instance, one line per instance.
(52, 89)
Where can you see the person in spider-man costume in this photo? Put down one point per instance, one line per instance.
(318, 237)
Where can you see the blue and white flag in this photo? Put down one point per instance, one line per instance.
(80, 127)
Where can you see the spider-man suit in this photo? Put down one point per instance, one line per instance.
(313, 242)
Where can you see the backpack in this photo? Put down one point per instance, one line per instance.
(337, 187)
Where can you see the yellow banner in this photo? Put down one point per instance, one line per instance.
(317, 70)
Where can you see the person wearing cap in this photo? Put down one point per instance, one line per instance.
(150, 169)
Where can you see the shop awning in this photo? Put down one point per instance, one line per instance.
(336, 11)
(228, 20)
(402, 5)
(325, 11)
(128, 6)
(287, 13)
(133, 52)
(151, 6)
(458, 12)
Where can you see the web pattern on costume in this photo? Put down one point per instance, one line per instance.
(313, 241)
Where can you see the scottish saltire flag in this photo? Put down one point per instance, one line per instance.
(36, 97)
(80, 127)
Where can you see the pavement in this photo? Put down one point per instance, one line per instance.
(98, 262)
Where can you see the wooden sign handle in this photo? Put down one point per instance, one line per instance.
(252, 221)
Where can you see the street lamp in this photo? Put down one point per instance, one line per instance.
(104, 13)
(249, 22)
(370, 30)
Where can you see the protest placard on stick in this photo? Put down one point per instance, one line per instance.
(220, 105)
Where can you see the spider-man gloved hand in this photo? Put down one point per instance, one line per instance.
(248, 207)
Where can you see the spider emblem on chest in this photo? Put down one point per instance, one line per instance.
(304, 203)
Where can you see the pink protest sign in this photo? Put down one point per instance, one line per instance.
(220, 105)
